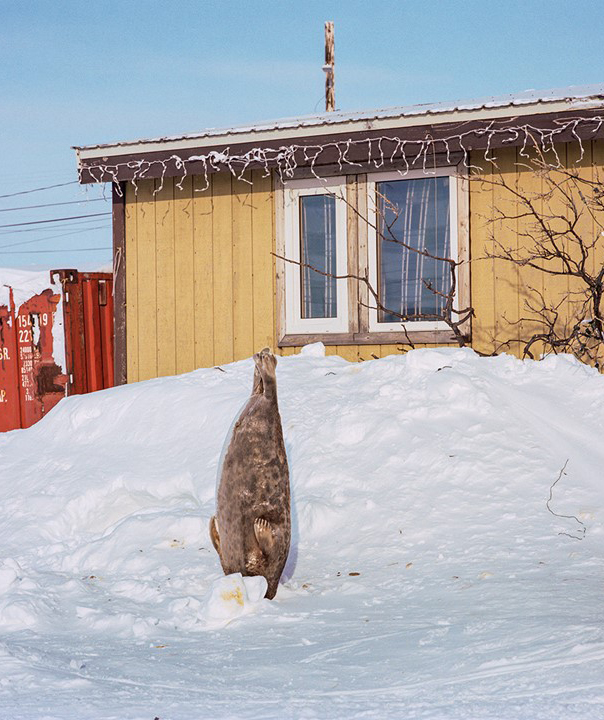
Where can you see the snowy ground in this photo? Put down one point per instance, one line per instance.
(427, 577)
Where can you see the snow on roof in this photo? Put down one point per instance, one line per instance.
(523, 103)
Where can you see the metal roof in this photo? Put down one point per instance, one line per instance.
(517, 104)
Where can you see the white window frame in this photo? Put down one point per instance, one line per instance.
(372, 210)
(294, 322)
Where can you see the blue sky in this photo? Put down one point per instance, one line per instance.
(76, 73)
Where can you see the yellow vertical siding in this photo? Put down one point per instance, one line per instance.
(184, 275)
(203, 271)
(263, 261)
(130, 262)
(530, 280)
(482, 291)
(348, 352)
(582, 162)
(598, 176)
(243, 296)
(222, 229)
(200, 286)
(145, 342)
(386, 350)
(369, 352)
(505, 232)
(165, 297)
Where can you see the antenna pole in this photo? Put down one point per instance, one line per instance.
(329, 68)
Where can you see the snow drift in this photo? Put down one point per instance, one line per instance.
(437, 570)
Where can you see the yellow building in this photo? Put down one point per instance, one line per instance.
(344, 228)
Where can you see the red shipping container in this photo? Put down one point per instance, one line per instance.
(88, 322)
(31, 383)
(10, 402)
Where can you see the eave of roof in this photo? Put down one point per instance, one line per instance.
(530, 102)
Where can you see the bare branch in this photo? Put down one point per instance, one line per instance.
(568, 517)
(560, 229)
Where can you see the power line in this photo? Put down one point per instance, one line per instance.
(56, 250)
(52, 237)
(71, 202)
(40, 222)
(48, 228)
(48, 187)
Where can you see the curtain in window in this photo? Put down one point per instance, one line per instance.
(318, 249)
(413, 215)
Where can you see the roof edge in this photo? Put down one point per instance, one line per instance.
(518, 105)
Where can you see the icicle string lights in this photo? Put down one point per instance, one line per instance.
(413, 153)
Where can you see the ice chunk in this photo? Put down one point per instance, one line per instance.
(231, 597)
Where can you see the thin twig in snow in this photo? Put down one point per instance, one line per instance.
(568, 517)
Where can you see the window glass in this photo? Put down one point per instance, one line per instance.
(318, 249)
(413, 215)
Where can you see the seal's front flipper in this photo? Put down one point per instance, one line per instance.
(214, 536)
(264, 535)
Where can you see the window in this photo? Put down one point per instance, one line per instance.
(412, 223)
(398, 229)
(315, 242)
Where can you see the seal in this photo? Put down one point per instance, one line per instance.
(251, 530)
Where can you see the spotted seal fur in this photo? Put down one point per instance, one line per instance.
(251, 530)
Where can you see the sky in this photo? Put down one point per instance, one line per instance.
(78, 73)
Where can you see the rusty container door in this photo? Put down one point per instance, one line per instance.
(88, 321)
(31, 383)
(42, 383)
(10, 403)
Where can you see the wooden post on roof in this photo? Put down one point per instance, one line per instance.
(329, 68)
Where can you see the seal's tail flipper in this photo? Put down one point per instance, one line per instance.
(214, 536)
(265, 381)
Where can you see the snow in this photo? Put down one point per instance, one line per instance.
(427, 577)
(27, 283)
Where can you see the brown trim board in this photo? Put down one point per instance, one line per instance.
(119, 283)
(437, 337)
